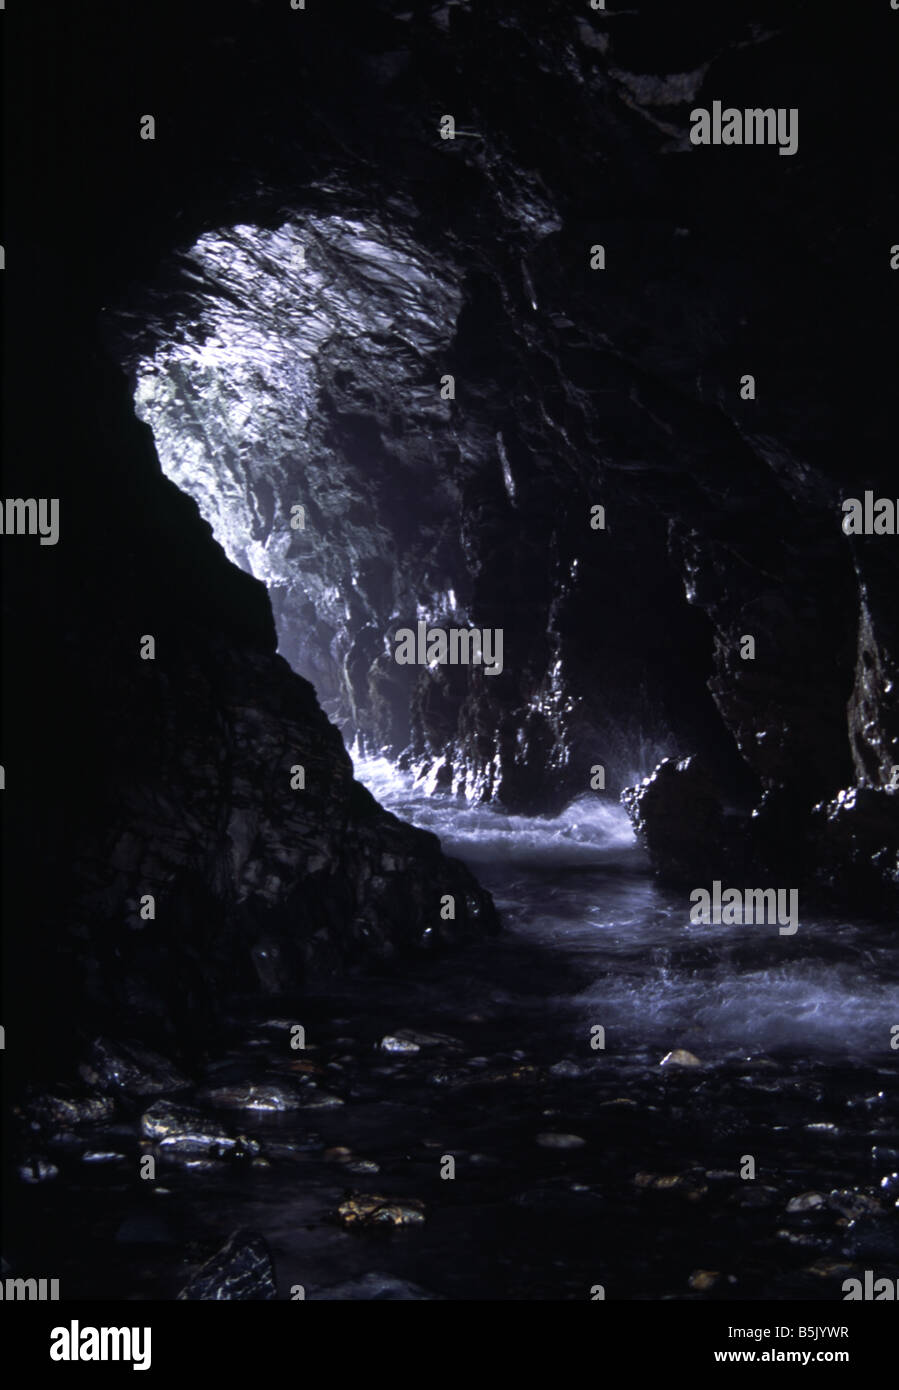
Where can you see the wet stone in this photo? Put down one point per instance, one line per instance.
(71, 1110)
(36, 1170)
(807, 1201)
(179, 1128)
(268, 1096)
(131, 1068)
(400, 1046)
(241, 1271)
(560, 1141)
(368, 1209)
(680, 1058)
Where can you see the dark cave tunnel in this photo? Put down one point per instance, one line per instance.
(262, 312)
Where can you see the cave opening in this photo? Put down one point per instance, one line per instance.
(324, 389)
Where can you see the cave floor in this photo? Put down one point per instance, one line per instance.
(574, 1167)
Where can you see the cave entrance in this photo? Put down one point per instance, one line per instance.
(300, 384)
(290, 377)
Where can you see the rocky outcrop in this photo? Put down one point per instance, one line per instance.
(855, 847)
(678, 816)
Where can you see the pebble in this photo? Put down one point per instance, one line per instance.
(395, 1044)
(369, 1209)
(566, 1069)
(680, 1058)
(560, 1141)
(168, 1123)
(807, 1201)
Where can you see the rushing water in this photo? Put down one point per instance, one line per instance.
(579, 885)
(768, 1170)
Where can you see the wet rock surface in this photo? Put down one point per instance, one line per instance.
(242, 1270)
(677, 814)
(856, 843)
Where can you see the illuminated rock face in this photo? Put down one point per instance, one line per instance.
(305, 375)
